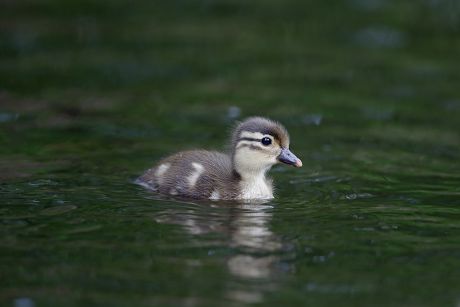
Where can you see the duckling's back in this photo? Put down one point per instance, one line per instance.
(195, 173)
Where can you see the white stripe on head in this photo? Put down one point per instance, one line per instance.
(193, 178)
(249, 143)
(252, 135)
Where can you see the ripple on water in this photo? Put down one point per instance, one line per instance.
(317, 179)
(43, 182)
(353, 196)
(336, 288)
(83, 229)
(57, 210)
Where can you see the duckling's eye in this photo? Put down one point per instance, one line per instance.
(266, 141)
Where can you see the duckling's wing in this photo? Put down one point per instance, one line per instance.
(196, 173)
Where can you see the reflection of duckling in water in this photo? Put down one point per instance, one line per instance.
(257, 253)
(257, 144)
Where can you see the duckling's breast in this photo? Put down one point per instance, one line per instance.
(258, 187)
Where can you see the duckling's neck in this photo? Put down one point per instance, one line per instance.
(254, 184)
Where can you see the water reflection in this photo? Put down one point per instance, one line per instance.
(246, 229)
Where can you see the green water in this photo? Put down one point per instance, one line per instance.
(92, 93)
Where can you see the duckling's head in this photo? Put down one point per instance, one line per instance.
(258, 143)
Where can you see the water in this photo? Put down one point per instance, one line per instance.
(92, 94)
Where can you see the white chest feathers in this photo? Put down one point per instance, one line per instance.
(256, 188)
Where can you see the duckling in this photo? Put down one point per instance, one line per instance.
(257, 144)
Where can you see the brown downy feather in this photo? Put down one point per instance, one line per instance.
(217, 176)
(264, 126)
(215, 173)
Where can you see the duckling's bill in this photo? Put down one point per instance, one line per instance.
(286, 156)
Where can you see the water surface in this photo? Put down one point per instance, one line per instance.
(92, 94)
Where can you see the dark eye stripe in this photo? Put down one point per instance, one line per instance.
(252, 147)
(249, 139)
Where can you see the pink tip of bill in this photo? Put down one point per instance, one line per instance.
(298, 163)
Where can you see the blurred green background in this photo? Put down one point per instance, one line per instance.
(93, 92)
